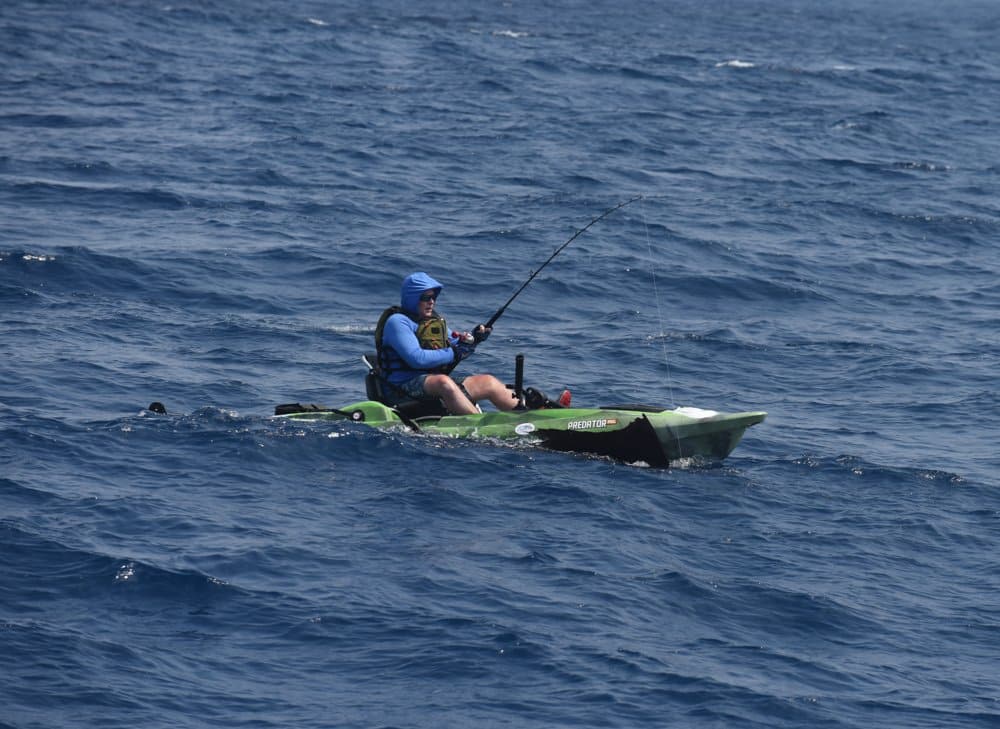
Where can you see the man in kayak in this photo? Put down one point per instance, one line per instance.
(416, 353)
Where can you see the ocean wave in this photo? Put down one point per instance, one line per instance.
(49, 193)
(859, 467)
(58, 121)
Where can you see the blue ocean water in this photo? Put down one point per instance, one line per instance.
(209, 204)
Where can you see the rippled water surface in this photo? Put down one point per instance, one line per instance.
(210, 205)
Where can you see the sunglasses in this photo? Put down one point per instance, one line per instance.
(428, 297)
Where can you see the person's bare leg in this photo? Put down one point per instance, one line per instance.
(455, 401)
(488, 387)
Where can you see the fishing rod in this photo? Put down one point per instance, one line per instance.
(492, 320)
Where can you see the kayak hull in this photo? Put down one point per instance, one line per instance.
(632, 434)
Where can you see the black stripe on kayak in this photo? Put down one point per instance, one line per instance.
(635, 442)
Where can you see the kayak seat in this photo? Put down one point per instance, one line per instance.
(376, 389)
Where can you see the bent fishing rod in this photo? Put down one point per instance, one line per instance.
(492, 320)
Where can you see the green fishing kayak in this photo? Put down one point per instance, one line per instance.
(629, 433)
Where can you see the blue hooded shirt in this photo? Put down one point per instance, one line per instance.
(406, 358)
(413, 286)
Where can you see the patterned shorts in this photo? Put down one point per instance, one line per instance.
(413, 389)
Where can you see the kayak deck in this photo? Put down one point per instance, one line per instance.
(627, 433)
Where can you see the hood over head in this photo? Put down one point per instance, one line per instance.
(414, 285)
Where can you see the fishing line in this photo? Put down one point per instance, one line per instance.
(499, 312)
(659, 309)
(659, 316)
